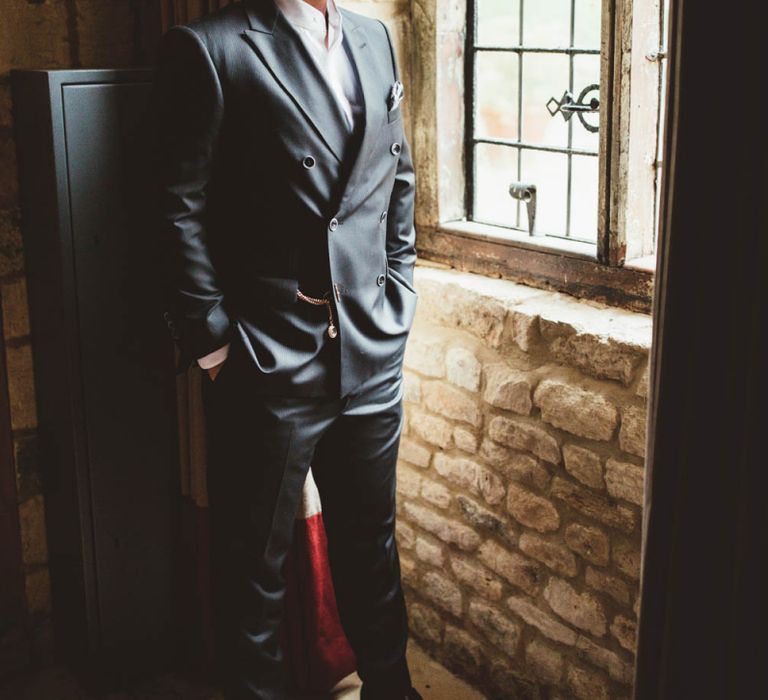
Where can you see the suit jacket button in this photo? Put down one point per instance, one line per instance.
(308, 162)
(383, 216)
(395, 148)
(380, 280)
(333, 224)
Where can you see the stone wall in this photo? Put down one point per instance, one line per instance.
(520, 485)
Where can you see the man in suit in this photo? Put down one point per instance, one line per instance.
(285, 197)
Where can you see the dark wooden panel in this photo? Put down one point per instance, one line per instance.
(103, 363)
(126, 419)
(704, 611)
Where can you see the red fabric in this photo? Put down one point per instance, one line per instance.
(316, 649)
(315, 645)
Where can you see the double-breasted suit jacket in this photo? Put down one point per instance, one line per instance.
(263, 190)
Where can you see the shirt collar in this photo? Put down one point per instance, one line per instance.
(301, 14)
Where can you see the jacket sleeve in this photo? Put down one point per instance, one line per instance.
(401, 232)
(186, 111)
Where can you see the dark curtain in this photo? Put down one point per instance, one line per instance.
(704, 613)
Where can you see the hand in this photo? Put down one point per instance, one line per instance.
(213, 371)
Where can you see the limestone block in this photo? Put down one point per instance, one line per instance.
(582, 610)
(495, 626)
(450, 402)
(428, 552)
(576, 410)
(625, 481)
(470, 475)
(411, 387)
(618, 669)
(425, 622)
(594, 505)
(464, 653)
(15, 309)
(605, 583)
(413, 453)
(586, 684)
(552, 555)
(442, 592)
(435, 493)
(544, 622)
(476, 576)
(405, 535)
(515, 465)
(515, 568)
(21, 386)
(532, 510)
(425, 355)
(524, 436)
(34, 545)
(584, 465)
(486, 520)
(465, 440)
(626, 557)
(625, 631)
(432, 429)
(442, 527)
(507, 388)
(408, 481)
(588, 542)
(633, 429)
(545, 661)
(463, 368)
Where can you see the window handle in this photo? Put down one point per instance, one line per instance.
(568, 106)
(526, 192)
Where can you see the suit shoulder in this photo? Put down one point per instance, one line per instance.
(370, 24)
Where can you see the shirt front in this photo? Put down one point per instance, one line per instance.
(327, 50)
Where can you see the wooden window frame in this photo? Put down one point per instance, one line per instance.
(627, 204)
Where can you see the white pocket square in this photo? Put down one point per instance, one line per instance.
(396, 94)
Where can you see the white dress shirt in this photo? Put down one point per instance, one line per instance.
(324, 45)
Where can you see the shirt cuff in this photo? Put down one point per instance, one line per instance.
(214, 358)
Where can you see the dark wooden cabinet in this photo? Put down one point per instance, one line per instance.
(103, 362)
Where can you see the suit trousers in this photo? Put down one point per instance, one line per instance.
(260, 448)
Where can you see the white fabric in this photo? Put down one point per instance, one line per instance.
(324, 45)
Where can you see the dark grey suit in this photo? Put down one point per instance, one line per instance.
(240, 105)
(263, 190)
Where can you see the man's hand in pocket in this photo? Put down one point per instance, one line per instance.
(213, 371)
(213, 362)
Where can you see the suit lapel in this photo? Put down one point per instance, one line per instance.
(287, 58)
(374, 88)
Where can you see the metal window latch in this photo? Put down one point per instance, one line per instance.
(568, 106)
(526, 192)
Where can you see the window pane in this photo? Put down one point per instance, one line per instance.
(584, 198)
(586, 71)
(498, 22)
(496, 169)
(544, 76)
(547, 24)
(549, 172)
(586, 28)
(496, 80)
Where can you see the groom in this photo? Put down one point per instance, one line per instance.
(285, 204)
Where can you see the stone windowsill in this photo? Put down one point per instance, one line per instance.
(502, 312)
